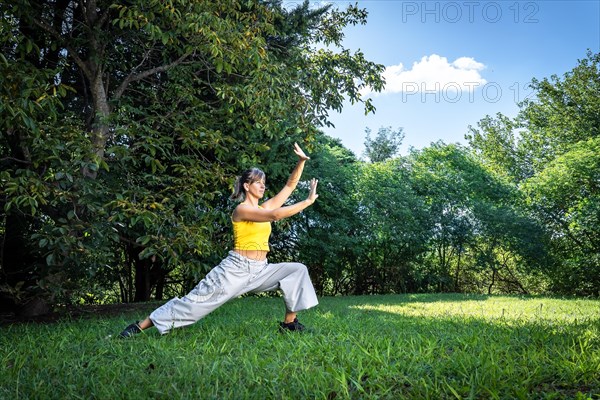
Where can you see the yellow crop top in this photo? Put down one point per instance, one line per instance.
(250, 235)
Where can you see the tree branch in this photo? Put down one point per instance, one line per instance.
(132, 77)
(72, 52)
(15, 160)
(103, 18)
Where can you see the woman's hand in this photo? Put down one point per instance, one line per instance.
(312, 194)
(300, 153)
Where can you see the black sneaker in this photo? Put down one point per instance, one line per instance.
(291, 326)
(131, 330)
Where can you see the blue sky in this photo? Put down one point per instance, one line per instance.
(451, 63)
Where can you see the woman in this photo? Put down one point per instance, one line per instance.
(246, 268)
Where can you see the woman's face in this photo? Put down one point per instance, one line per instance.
(256, 188)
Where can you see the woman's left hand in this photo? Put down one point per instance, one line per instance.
(300, 153)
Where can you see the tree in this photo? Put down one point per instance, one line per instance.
(564, 112)
(165, 103)
(385, 145)
(496, 143)
(394, 227)
(478, 227)
(566, 197)
(440, 177)
(32, 131)
(549, 151)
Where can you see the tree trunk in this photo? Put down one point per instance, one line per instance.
(493, 281)
(160, 283)
(457, 275)
(100, 128)
(142, 280)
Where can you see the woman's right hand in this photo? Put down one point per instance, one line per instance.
(300, 153)
(312, 194)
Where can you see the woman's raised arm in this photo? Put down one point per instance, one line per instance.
(281, 197)
(245, 212)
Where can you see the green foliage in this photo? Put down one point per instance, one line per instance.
(394, 228)
(385, 145)
(437, 220)
(496, 143)
(564, 112)
(360, 347)
(480, 236)
(125, 124)
(44, 152)
(550, 151)
(566, 196)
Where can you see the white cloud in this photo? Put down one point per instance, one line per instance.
(434, 74)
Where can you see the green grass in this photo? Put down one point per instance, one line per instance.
(371, 347)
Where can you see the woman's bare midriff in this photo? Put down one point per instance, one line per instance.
(256, 255)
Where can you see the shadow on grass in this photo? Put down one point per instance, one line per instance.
(74, 312)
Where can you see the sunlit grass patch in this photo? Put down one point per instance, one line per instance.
(491, 308)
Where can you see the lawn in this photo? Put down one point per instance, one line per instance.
(446, 346)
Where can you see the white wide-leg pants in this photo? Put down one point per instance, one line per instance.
(234, 276)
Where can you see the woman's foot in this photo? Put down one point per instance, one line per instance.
(131, 330)
(291, 326)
